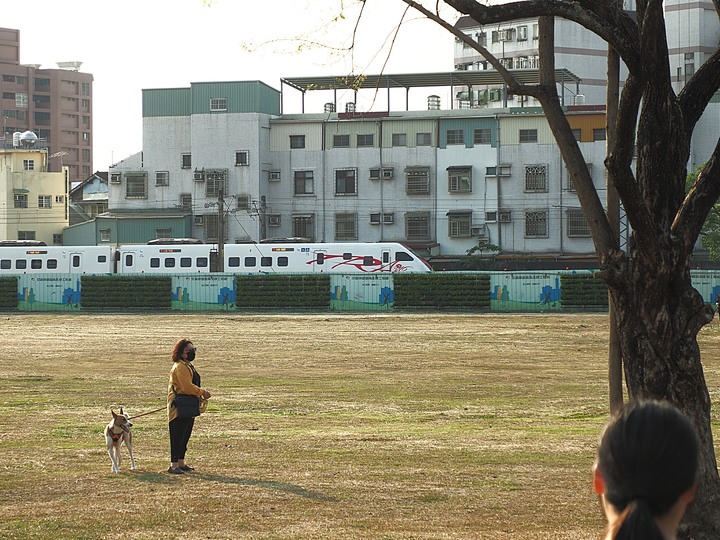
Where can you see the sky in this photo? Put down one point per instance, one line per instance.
(133, 45)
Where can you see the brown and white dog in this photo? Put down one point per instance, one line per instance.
(117, 432)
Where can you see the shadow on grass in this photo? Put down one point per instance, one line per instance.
(164, 478)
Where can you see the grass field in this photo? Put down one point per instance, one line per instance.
(321, 427)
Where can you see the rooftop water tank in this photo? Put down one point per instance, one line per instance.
(28, 139)
(329, 107)
(433, 103)
(350, 107)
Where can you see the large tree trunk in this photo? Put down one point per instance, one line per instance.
(659, 314)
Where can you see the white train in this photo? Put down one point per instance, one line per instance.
(178, 257)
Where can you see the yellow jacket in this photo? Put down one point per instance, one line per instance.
(181, 383)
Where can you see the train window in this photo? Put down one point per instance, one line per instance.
(320, 258)
(6, 264)
(169, 262)
(20, 264)
(347, 256)
(52, 264)
(233, 262)
(201, 262)
(36, 264)
(386, 257)
(185, 262)
(102, 258)
(250, 261)
(128, 259)
(282, 261)
(368, 261)
(402, 256)
(265, 261)
(155, 262)
(75, 262)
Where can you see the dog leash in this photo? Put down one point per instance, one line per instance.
(150, 412)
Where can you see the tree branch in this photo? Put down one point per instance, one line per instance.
(697, 93)
(699, 201)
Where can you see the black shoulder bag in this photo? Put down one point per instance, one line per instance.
(187, 405)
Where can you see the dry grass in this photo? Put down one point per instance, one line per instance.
(343, 426)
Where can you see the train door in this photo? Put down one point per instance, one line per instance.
(129, 262)
(385, 261)
(75, 261)
(319, 262)
(215, 262)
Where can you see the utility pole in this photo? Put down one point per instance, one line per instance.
(221, 231)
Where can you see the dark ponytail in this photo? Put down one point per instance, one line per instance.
(648, 457)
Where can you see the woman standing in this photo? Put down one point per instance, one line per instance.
(645, 471)
(183, 380)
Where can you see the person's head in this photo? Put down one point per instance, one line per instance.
(183, 350)
(646, 467)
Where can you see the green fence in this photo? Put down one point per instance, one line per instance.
(535, 291)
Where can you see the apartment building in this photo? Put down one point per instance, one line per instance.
(55, 104)
(441, 181)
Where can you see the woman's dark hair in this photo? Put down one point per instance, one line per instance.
(179, 348)
(648, 457)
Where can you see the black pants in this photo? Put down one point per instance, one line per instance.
(180, 431)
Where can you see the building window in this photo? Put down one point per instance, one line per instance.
(599, 134)
(536, 178)
(212, 227)
(215, 180)
(162, 178)
(85, 136)
(577, 224)
(417, 180)
(346, 226)
(135, 186)
(528, 135)
(459, 179)
(303, 226)
(186, 161)
(21, 100)
(186, 201)
(28, 164)
(455, 136)
(341, 141)
(297, 141)
(459, 224)
(57, 239)
(399, 139)
(303, 182)
(577, 132)
(242, 158)
(536, 224)
(365, 140)
(345, 182)
(482, 136)
(86, 154)
(423, 139)
(417, 225)
(21, 200)
(388, 173)
(59, 199)
(44, 201)
(387, 218)
(571, 182)
(218, 104)
(85, 89)
(244, 201)
(26, 235)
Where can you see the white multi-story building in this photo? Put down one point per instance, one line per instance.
(441, 181)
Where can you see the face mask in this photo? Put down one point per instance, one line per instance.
(191, 356)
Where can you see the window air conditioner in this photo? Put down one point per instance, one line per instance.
(198, 220)
(199, 176)
(504, 217)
